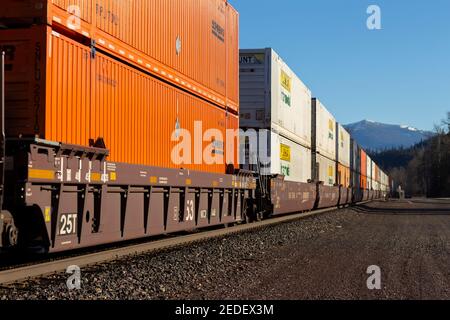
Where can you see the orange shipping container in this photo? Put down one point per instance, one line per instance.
(363, 163)
(58, 90)
(343, 175)
(363, 182)
(363, 178)
(190, 43)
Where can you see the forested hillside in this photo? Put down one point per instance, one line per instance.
(424, 169)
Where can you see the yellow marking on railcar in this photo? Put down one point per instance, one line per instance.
(41, 174)
(153, 179)
(96, 177)
(113, 176)
(47, 214)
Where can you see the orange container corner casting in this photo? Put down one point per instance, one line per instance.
(193, 44)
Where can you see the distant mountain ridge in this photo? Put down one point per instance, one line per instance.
(377, 136)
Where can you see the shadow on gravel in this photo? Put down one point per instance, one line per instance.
(399, 211)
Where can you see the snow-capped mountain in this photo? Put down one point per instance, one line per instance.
(375, 136)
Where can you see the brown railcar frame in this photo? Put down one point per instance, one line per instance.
(112, 202)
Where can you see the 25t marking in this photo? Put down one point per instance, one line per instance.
(68, 224)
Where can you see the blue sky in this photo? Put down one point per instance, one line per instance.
(400, 74)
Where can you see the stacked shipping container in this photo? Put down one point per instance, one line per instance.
(275, 101)
(375, 177)
(343, 157)
(324, 144)
(355, 164)
(298, 132)
(385, 187)
(132, 73)
(129, 72)
(190, 43)
(363, 177)
(355, 170)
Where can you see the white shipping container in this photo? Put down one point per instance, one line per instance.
(369, 167)
(376, 185)
(273, 97)
(344, 146)
(290, 159)
(386, 182)
(374, 176)
(277, 155)
(325, 131)
(326, 170)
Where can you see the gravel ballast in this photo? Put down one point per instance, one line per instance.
(320, 257)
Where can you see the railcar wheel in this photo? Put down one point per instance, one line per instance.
(8, 231)
(12, 235)
(260, 216)
(250, 210)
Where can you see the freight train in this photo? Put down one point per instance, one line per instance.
(116, 125)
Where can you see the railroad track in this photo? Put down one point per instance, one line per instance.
(24, 273)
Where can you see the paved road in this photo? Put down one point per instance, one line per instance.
(409, 240)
